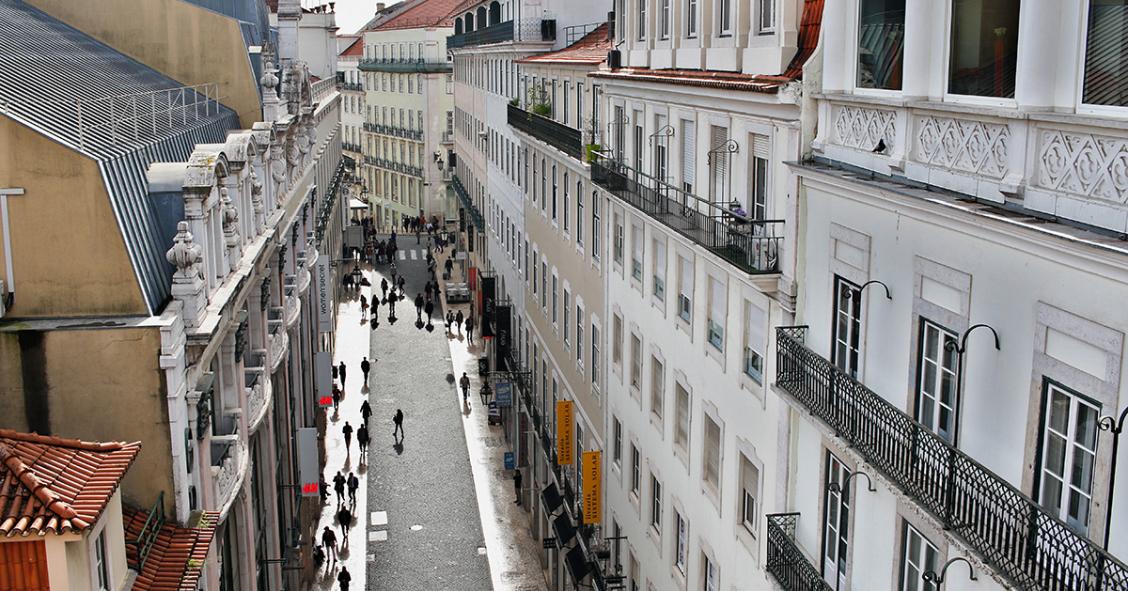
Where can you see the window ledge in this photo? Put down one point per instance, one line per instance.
(752, 386)
(656, 421)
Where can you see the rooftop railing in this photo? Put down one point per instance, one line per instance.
(555, 134)
(1023, 542)
(750, 244)
(491, 34)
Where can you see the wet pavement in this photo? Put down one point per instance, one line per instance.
(435, 509)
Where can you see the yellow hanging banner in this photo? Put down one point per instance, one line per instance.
(565, 433)
(593, 487)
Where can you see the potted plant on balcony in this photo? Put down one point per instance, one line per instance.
(538, 103)
(591, 135)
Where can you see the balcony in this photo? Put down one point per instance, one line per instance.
(555, 134)
(751, 245)
(228, 469)
(292, 310)
(786, 562)
(405, 66)
(448, 137)
(468, 204)
(259, 395)
(492, 34)
(356, 86)
(278, 344)
(1028, 546)
(304, 279)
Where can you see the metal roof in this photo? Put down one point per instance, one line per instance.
(86, 95)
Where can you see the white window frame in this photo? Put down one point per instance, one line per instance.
(1072, 449)
(851, 342)
(692, 10)
(944, 362)
(836, 524)
(681, 541)
(918, 556)
(655, 505)
(765, 8)
(1083, 107)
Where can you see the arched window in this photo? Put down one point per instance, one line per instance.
(495, 12)
(469, 22)
(482, 22)
(458, 26)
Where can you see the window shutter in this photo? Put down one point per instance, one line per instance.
(760, 146)
(716, 301)
(720, 160)
(689, 152)
(685, 280)
(755, 324)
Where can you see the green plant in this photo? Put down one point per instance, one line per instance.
(592, 150)
(513, 102)
(542, 109)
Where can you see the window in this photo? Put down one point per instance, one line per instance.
(681, 541)
(595, 226)
(920, 556)
(617, 339)
(579, 336)
(101, 562)
(758, 179)
(595, 355)
(639, 145)
(711, 455)
(937, 376)
(656, 504)
(765, 20)
(660, 138)
(1106, 54)
(567, 317)
(657, 386)
(580, 213)
(635, 572)
(724, 17)
(617, 445)
(689, 153)
(984, 48)
(636, 362)
(554, 298)
(636, 469)
(691, 19)
(685, 288)
(641, 24)
(718, 163)
(637, 245)
(836, 515)
(681, 416)
(664, 20)
(1067, 452)
(544, 287)
(554, 192)
(755, 321)
(881, 43)
(617, 247)
(717, 313)
(659, 274)
(749, 491)
(567, 203)
(709, 573)
(847, 326)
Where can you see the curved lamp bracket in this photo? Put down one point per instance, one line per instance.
(836, 487)
(932, 577)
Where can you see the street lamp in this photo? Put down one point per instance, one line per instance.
(1116, 427)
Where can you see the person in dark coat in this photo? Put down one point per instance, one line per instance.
(384, 287)
(353, 484)
(398, 420)
(345, 519)
(458, 321)
(339, 486)
(348, 431)
(464, 383)
(362, 438)
(517, 485)
(336, 397)
(419, 306)
(365, 367)
(470, 329)
(429, 308)
(341, 372)
(365, 412)
(343, 579)
(329, 540)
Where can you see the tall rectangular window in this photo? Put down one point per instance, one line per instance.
(580, 213)
(983, 48)
(567, 324)
(637, 248)
(554, 301)
(1106, 54)
(596, 227)
(691, 18)
(881, 43)
(617, 442)
(580, 337)
(685, 288)
(656, 504)
(636, 469)
(937, 377)
(657, 387)
(616, 339)
(689, 155)
(594, 355)
(1068, 453)
(836, 518)
(709, 573)
(567, 203)
(640, 25)
(639, 141)
(101, 562)
(724, 17)
(755, 322)
(711, 455)
(554, 192)
(765, 19)
(749, 492)
(617, 246)
(664, 20)
(719, 164)
(681, 541)
(847, 326)
(659, 272)
(636, 362)
(718, 312)
(661, 138)
(919, 557)
(681, 416)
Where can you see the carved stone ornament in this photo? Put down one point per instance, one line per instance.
(256, 192)
(185, 254)
(277, 162)
(269, 80)
(230, 214)
(240, 340)
(264, 293)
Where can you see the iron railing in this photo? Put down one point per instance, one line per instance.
(148, 534)
(751, 245)
(126, 117)
(1027, 545)
(491, 34)
(555, 134)
(405, 66)
(468, 203)
(350, 86)
(786, 562)
(576, 32)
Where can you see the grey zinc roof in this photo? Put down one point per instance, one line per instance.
(47, 68)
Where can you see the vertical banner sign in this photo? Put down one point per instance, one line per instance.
(489, 301)
(565, 433)
(593, 487)
(308, 470)
(323, 378)
(504, 342)
(324, 294)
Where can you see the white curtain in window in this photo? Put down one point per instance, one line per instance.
(755, 326)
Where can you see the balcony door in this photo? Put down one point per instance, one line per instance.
(1067, 455)
(937, 379)
(836, 521)
(847, 326)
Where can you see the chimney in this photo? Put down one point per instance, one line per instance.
(380, 6)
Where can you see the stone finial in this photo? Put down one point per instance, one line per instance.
(256, 192)
(185, 254)
(269, 80)
(230, 214)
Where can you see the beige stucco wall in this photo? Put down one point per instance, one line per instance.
(102, 385)
(181, 40)
(69, 257)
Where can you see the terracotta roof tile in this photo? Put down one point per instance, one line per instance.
(810, 24)
(55, 485)
(424, 13)
(176, 559)
(589, 49)
(355, 49)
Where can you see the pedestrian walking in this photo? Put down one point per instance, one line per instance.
(336, 398)
(464, 383)
(517, 485)
(348, 431)
(365, 412)
(344, 519)
(429, 308)
(449, 265)
(449, 320)
(419, 306)
(398, 420)
(339, 486)
(341, 372)
(318, 557)
(362, 438)
(365, 366)
(363, 306)
(384, 288)
(329, 540)
(353, 484)
(427, 291)
(323, 489)
(470, 329)
(458, 321)
(343, 579)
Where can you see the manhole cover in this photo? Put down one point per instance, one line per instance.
(416, 527)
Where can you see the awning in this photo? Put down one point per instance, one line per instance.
(551, 497)
(577, 563)
(562, 525)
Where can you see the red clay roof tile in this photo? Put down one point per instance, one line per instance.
(55, 485)
(355, 49)
(176, 559)
(589, 49)
(423, 14)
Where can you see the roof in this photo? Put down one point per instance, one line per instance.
(176, 558)
(355, 49)
(422, 14)
(46, 67)
(810, 24)
(589, 49)
(50, 485)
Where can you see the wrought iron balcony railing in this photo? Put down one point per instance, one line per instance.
(1027, 545)
(555, 134)
(468, 203)
(786, 562)
(408, 66)
(351, 86)
(751, 245)
(491, 34)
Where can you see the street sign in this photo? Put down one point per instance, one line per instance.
(323, 291)
(308, 470)
(504, 394)
(593, 487)
(510, 461)
(323, 374)
(549, 543)
(565, 433)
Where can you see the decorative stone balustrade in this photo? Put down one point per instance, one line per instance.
(292, 310)
(277, 347)
(228, 470)
(259, 398)
(304, 279)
